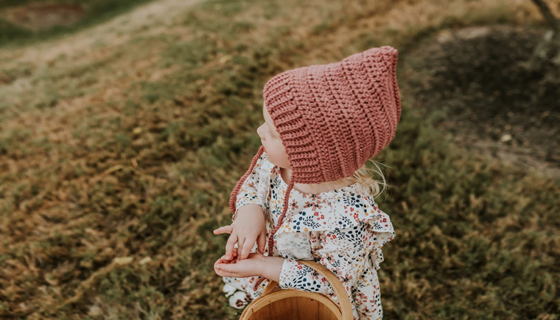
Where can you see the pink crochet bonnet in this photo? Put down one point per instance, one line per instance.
(332, 118)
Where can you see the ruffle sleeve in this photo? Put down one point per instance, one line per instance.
(341, 252)
(254, 189)
(349, 208)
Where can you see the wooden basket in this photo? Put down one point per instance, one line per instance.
(294, 304)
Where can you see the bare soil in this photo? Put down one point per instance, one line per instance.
(39, 16)
(475, 80)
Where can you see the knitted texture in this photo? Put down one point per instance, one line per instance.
(331, 118)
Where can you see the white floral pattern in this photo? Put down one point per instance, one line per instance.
(342, 229)
(238, 300)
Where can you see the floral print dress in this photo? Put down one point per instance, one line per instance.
(342, 229)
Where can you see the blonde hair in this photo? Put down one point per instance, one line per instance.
(365, 177)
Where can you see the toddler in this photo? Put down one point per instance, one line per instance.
(306, 195)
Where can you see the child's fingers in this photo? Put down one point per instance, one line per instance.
(220, 261)
(240, 244)
(224, 229)
(261, 242)
(222, 272)
(246, 249)
(229, 270)
(229, 246)
(223, 260)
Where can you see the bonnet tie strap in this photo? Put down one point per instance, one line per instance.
(233, 196)
(278, 225)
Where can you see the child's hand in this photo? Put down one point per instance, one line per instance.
(248, 227)
(223, 259)
(249, 267)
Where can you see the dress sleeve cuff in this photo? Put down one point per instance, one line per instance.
(244, 200)
(288, 272)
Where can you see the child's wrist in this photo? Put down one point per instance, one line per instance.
(250, 210)
(249, 206)
(270, 267)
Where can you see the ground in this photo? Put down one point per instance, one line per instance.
(39, 16)
(121, 141)
(484, 97)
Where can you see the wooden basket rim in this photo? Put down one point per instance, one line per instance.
(269, 295)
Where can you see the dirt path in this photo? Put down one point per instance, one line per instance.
(159, 15)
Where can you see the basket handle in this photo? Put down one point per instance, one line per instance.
(345, 305)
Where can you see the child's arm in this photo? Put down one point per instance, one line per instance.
(254, 188)
(345, 252)
(255, 265)
(248, 219)
(271, 267)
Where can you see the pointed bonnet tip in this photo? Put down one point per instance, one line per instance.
(390, 53)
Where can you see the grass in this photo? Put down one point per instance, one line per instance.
(96, 11)
(117, 159)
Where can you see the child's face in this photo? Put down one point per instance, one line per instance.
(270, 139)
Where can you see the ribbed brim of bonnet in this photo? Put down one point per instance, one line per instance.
(332, 118)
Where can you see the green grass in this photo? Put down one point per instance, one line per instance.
(475, 239)
(96, 11)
